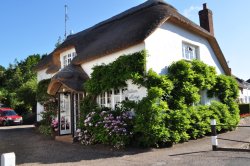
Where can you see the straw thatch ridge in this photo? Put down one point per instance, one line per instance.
(72, 77)
(128, 29)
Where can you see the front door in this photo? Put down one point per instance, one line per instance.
(65, 114)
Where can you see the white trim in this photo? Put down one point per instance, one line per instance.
(213, 122)
(214, 140)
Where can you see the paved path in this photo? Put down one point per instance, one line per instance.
(32, 148)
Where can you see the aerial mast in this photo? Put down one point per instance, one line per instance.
(65, 20)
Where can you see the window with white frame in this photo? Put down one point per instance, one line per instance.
(68, 58)
(189, 51)
(102, 99)
(111, 98)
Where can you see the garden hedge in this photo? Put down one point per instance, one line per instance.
(170, 113)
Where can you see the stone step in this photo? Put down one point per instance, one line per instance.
(64, 138)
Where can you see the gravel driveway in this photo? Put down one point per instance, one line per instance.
(32, 148)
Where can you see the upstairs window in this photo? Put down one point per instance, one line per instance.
(68, 58)
(189, 52)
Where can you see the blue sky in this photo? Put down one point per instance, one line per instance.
(34, 26)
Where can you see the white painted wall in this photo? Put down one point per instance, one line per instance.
(42, 75)
(134, 92)
(244, 96)
(87, 67)
(165, 46)
(205, 100)
(39, 110)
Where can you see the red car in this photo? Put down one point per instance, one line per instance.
(8, 117)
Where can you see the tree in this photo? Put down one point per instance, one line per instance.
(2, 70)
(18, 84)
(59, 42)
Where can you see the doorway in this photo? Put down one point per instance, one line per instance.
(65, 114)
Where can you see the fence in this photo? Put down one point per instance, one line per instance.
(214, 140)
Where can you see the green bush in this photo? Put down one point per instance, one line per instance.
(151, 114)
(221, 112)
(235, 112)
(199, 121)
(45, 129)
(178, 124)
(171, 111)
(226, 89)
(189, 78)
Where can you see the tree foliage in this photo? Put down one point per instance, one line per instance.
(18, 84)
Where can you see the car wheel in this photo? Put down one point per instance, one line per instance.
(4, 123)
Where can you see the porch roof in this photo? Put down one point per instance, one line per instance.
(72, 77)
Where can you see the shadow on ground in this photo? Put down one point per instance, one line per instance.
(31, 147)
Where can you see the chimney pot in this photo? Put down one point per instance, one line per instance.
(204, 5)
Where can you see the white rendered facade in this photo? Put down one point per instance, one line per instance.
(164, 46)
(244, 95)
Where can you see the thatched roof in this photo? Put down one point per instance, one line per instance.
(71, 77)
(44, 63)
(127, 29)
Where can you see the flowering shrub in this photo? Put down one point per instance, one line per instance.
(107, 126)
(54, 124)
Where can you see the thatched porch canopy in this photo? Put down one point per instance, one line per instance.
(71, 78)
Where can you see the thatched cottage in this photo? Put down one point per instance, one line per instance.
(154, 26)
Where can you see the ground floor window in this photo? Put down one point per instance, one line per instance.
(111, 98)
(205, 100)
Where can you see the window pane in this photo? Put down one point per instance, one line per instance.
(116, 100)
(117, 91)
(189, 51)
(109, 93)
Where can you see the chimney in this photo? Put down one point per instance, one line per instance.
(206, 19)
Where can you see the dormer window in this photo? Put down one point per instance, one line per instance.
(189, 52)
(68, 58)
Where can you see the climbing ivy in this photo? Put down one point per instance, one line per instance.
(189, 78)
(41, 93)
(50, 104)
(170, 113)
(115, 74)
(226, 88)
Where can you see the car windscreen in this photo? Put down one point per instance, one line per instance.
(9, 113)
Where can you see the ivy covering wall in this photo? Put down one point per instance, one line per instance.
(170, 113)
(50, 104)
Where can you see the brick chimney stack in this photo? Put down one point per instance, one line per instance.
(206, 19)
